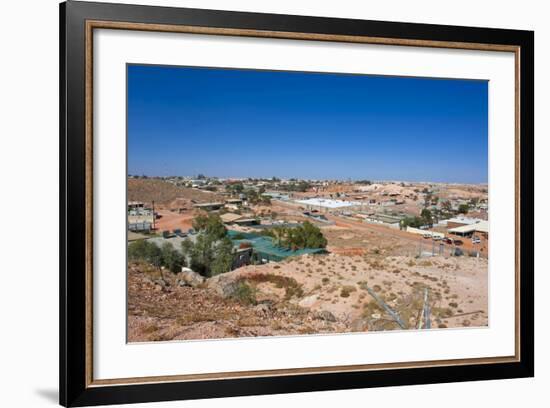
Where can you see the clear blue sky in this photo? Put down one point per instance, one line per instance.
(248, 123)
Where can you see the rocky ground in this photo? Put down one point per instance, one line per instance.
(330, 293)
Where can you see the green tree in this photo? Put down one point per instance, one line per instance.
(223, 257)
(236, 188)
(414, 222)
(187, 250)
(446, 205)
(427, 217)
(463, 208)
(306, 235)
(153, 255)
(202, 254)
(171, 258)
(137, 250)
(210, 224)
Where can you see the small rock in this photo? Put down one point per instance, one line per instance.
(326, 315)
(308, 301)
(262, 308)
(161, 282)
(359, 325)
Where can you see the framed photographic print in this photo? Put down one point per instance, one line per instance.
(256, 203)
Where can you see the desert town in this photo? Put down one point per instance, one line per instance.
(218, 258)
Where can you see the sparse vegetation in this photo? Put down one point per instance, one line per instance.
(347, 290)
(245, 293)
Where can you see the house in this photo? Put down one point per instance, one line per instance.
(460, 221)
(233, 204)
(208, 206)
(234, 201)
(237, 219)
(140, 218)
(229, 218)
(467, 230)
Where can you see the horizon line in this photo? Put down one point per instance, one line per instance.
(310, 179)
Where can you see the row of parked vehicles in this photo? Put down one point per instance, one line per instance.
(451, 241)
(178, 233)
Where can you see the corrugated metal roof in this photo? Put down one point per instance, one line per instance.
(230, 217)
(481, 226)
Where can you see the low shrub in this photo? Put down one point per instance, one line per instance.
(346, 291)
(245, 293)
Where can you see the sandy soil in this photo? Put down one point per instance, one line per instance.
(456, 285)
(330, 293)
(157, 313)
(164, 193)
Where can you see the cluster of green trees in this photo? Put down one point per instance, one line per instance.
(425, 219)
(212, 252)
(210, 255)
(257, 197)
(306, 235)
(251, 195)
(414, 222)
(235, 188)
(166, 257)
(364, 182)
(463, 208)
(299, 186)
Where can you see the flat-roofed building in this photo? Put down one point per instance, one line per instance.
(481, 226)
(208, 206)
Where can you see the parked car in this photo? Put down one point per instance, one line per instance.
(167, 234)
(476, 240)
(180, 233)
(458, 242)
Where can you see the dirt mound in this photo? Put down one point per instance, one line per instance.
(310, 294)
(164, 193)
(172, 312)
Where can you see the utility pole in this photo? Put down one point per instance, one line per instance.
(154, 216)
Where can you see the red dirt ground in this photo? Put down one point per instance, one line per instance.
(170, 220)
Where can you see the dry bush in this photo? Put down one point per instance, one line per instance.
(290, 285)
(149, 328)
(346, 291)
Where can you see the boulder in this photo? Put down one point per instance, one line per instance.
(225, 286)
(188, 277)
(326, 315)
(308, 301)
